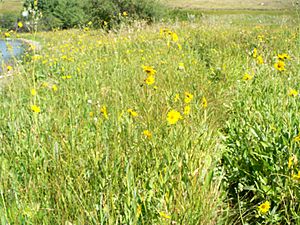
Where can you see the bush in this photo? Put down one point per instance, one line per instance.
(143, 9)
(70, 13)
(107, 10)
(8, 20)
(260, 163)
(112, 12)
(58, 13)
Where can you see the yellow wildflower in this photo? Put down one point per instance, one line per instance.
(273, 128)
(35, 109)
(162, 31)
(33, 92)
(283, 57)
(149, 70)
(297, 176)
(9, 68)
(188, 97)
(204, 102)
(54, 88)
(103, 111)
(173, 117)
(247, 77)
(174, 37)
(125, 14)
(297, 138)
(31, 47)
(181, 66)
(147, 133)
(254, 53)
(292, 93)
(176, 98)
(165, 31)
(260, 59)
(150, 80)
(164, 215)
(264, 207)
(280, 66)
(260, 38)
(20, 24)
(65, 77)
(7, 34)
(187, 110)
(36, 57)
(45, 84)
(91, 114)
(64, 57)
(132, 113)
(179, 46)
(292, 161)
(139, 211)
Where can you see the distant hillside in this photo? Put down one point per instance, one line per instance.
(10, 6)
(231, 4)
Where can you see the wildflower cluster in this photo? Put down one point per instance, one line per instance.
(146, 121)
(261, 159)
(280, 64)
(259, 58)
(171, 37)
(150, 71)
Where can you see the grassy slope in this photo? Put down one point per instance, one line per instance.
(231, 4)
(64, 166)
(10, 6)
(15, 5)
(70, 164)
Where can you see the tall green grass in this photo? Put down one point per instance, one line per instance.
(70, 164)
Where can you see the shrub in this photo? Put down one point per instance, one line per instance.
(8, 20)
(113, 12)
(70, 13)
(262, 143)
(58, 13)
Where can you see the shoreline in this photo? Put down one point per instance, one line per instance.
(37, 45)
(30, 44)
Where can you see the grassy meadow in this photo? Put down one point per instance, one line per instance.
(10, 6)
(186, 122)
(232, 4)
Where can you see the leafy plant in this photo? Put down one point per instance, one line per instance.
(262, 144)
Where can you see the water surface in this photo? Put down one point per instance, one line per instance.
(10, 49)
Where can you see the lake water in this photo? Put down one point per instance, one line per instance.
(10, 49)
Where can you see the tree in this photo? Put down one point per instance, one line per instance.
(59, 13)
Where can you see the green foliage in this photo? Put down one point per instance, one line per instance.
(101, 11)
(113, 11)
(184, 14)
(81, 168)
(71, 13)
(64, 14)
(260, 138)
(8, 20)
(70, 164)
(58, 13)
